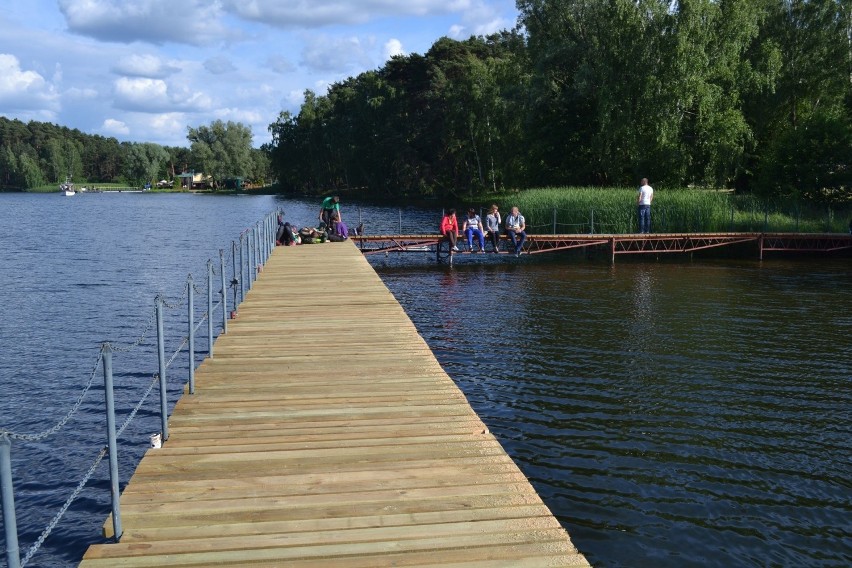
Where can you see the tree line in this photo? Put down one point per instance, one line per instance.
(35, 154)
(754, 95)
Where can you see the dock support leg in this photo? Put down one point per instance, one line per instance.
(7, 495)
(612, 250)
(760, 244)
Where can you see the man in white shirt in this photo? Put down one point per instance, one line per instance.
(646, 195)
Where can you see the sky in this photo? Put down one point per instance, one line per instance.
(145, 70)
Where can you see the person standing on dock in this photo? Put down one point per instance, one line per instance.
(450, 228)
(492, 225)
(516, 229)
(646, 195)
(330, 205)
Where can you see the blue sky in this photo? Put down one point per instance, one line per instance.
(144, 70)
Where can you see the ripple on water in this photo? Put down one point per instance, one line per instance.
(669, 414)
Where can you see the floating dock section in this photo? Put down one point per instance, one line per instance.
(325, 433)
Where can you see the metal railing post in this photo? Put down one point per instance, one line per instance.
(242, 279)
(7, 495)
(592, 223)
(224, 291)
(266, 239)
(251, 256)
(261, 241)
(210, 308)
(234, 282)
(191, 319)
(109, 399)
(554, 220)
(258, 256)
(161, 355)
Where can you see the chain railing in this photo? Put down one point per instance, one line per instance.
(259, 241)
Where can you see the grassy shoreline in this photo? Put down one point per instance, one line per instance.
(613, 210)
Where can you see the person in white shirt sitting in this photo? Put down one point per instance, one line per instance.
(516, 230)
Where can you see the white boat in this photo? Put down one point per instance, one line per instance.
(67, 188)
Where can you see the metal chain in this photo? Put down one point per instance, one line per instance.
(138, 406)
(175, 354)
(67, 417)
(35, 547)
(198, 290)
(198, 325)
(138, 342)
(179, 302)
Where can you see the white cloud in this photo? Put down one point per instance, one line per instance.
(219, 65)
(24, 90)
(113, 127)
(293, 100)
(146, 65)
(242, 115)
(170, 127)
(457, 31)
(393, 47)
(84, 93)
(320, 13)
(339, 55)
(280, 64)
(156, 96)
(194, 22)
(481, 18)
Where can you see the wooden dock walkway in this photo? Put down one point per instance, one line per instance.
(325, 433)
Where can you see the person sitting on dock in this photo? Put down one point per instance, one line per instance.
(516, 230)
(492, 224)
(450, 228)
(339, 230)
(286, 236)
(473, 226)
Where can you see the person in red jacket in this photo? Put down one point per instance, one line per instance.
(450, 228)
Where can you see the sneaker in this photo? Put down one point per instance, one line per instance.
(455, 249)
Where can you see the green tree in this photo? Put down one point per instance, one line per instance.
(144, 161)
(221, 150)
(9, 171)
(30, 171)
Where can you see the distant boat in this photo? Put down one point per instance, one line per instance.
(67, 187)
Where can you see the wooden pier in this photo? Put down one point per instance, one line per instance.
(623, 244)
(325, 433)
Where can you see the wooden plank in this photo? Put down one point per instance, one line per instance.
(325, 433)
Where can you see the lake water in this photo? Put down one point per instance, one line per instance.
(669, 413)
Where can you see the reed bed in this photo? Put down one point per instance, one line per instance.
(584, 210)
